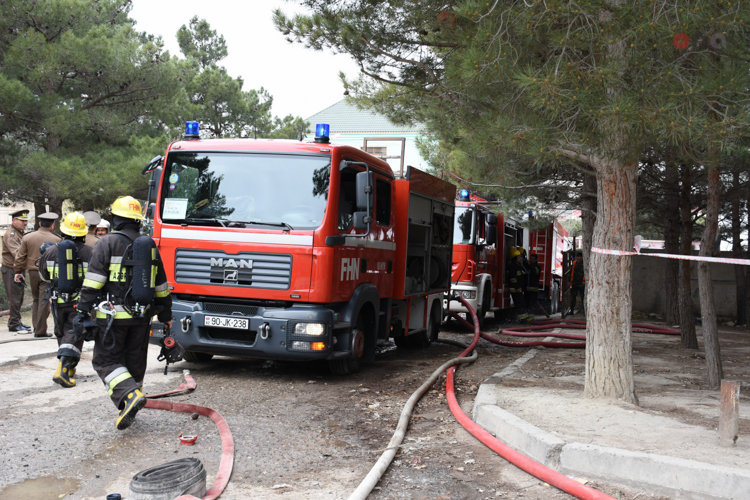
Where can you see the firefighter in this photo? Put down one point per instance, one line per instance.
(102, 228)
(532, 289)
(577, 282)
(14, 290)
(113, 286)
(92, 219)
(26, 260)
(517, 281)
(63, 267)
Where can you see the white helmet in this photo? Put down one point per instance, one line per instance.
(103, 223)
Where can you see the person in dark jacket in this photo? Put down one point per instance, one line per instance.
(517, 279)
(121, 343)
(63, 304)
(532, 289)
(577, 282)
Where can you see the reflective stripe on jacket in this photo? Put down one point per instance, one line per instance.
(106, 275)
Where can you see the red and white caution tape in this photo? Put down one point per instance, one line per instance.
(718, 260)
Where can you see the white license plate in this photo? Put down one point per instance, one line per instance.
(226, 322)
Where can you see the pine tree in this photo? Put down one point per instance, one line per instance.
(592, 83)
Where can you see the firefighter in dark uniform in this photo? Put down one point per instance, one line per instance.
(517, 279)
(532, 289)
(578, 282)
(62, 300)
(14, 290)
(26, 260)
(121, 343)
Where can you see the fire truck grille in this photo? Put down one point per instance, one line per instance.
(247, 270)
(230, 309)
(244, 336)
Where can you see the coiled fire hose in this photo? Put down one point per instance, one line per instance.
(227, 442)
(521, 461)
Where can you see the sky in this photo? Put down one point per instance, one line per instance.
(301, 81)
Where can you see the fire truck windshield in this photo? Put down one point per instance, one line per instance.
(264, 190)
(463, 230)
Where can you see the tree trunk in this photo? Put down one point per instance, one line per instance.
(705, 284)
(609, 362)
(688, 337)
(672, 245)
(737, 252)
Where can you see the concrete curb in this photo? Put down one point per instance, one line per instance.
(18, 359)
(681, 478)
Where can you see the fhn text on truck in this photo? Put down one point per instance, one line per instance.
(286, 249)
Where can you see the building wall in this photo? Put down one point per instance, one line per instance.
(649, 281)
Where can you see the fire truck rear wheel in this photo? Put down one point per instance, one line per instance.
(353, 363)
(197, 357)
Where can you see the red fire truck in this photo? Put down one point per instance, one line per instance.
(297, 250)
(480, 257)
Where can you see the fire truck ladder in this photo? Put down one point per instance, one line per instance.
(540, 248)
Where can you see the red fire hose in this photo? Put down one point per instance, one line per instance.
(521, 461)
(227, 442)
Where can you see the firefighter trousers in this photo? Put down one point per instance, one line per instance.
(66, 343)
(122, 366)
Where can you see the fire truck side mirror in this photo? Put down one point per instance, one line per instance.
(491, 234)
(150, 210)
(362, 220)
(492, 219)
(364, 191)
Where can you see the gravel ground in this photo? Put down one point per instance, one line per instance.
(299, 431)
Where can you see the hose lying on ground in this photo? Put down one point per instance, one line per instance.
(521, 461)
(170, 480)
(227, 442)
(377, 471)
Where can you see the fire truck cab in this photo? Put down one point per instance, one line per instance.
(299, 250)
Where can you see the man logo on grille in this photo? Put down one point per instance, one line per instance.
(230, 276)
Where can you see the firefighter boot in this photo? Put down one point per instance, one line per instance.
(66, 370)
(133, 402)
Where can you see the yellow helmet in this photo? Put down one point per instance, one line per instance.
(128, 207)
(514, 252)
(74, 224)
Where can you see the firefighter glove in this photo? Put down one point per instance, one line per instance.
(78, 322)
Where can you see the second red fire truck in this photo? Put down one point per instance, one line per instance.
(299, 250)
(482, 238)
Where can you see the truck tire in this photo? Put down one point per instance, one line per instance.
(197, 357)
(352, 363)
(554, 303)
(484, 307)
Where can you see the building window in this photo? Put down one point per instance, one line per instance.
(379, 151)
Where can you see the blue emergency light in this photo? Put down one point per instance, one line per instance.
(322, 132)
(192, 130)
(463, 195)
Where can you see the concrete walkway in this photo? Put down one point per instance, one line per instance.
(613, 441)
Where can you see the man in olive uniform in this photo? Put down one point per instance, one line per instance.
(92, 219)
(26, 260)
(74, 228)
(14, 291)
(121, 343)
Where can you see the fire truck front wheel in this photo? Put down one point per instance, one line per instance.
(352, 363)
(197, 357)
